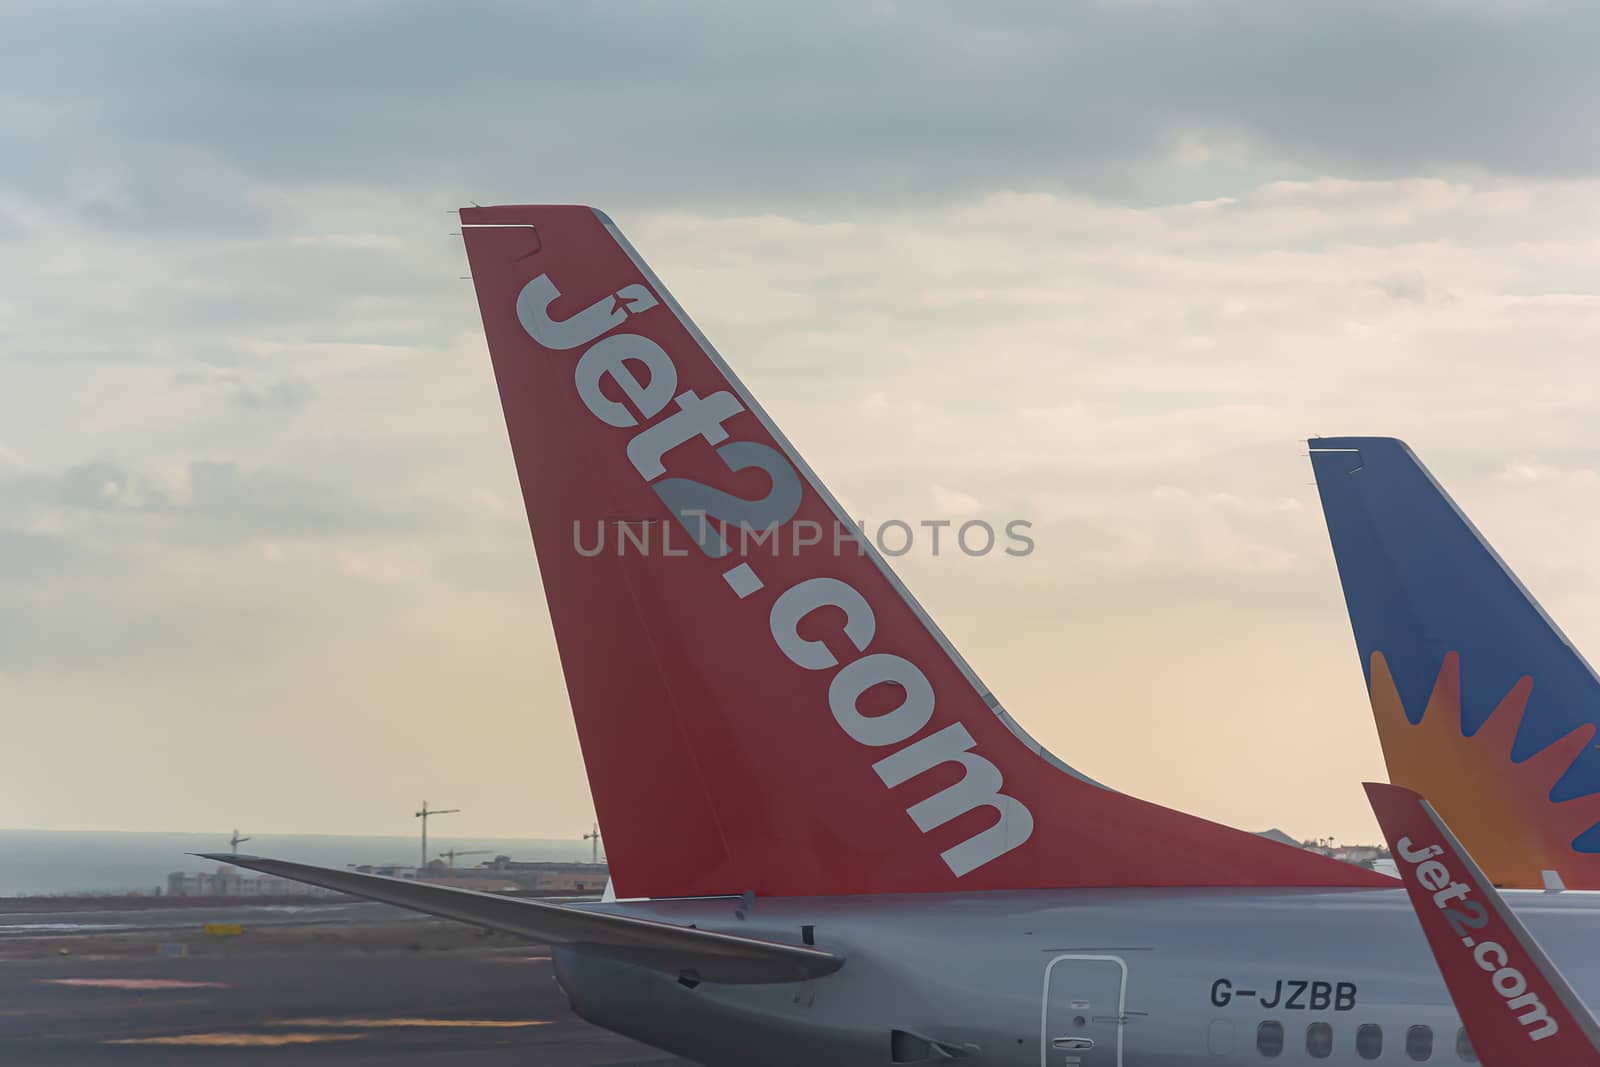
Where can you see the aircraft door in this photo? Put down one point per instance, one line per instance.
(1084, 1003)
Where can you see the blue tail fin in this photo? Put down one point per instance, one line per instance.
(1482, 703)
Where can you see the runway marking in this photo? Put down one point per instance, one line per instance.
(132, 983)
(439, 1024)
(225, 1040)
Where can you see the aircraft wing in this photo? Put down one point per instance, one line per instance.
(678, 950)
(1518, 1009)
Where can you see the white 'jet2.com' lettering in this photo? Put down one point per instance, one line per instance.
(1490, 956)
(640, 371)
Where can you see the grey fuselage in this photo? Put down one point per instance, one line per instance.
(1090, 977)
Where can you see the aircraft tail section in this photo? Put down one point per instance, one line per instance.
(1481, 702)
(761, 704)
(1519, 1010)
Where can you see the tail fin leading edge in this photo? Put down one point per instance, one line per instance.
(761, 704)
(1482, 703)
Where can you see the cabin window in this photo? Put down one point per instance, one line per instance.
(1419, 1043)
(1269, 1039)
(1319, 1041)
(1369, 1041)
(1464, 1047)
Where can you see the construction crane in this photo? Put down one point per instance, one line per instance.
(451, 854)
(236, 840)
(423, 815)
(594, 848)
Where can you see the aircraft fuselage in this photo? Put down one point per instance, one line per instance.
(1088, 977)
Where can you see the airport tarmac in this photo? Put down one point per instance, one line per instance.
(409, 991)
(32, 917)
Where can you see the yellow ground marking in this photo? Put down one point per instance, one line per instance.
(222, 1040)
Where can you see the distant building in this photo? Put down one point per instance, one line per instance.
(505, 875)
(229, 882)
(387, 870)
(476, 878)
(1360, 855)
(555, 877)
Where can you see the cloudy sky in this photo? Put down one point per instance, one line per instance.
(1102, 266)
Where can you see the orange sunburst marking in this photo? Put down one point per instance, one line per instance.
(1500, 809)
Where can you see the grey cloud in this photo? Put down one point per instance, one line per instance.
(116, 622)
(719, 103)
(230, 502)
(220, 502)
(211, 303)
(290, 394)
(106, 486)
(1409, 286)
(284, 395)
(28, 556)
(220, 210)
(261, 502)
(108, 566)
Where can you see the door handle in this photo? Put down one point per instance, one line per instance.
(1073, 1043)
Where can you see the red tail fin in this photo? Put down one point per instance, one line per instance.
(1518, 1009)
(761, 703)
